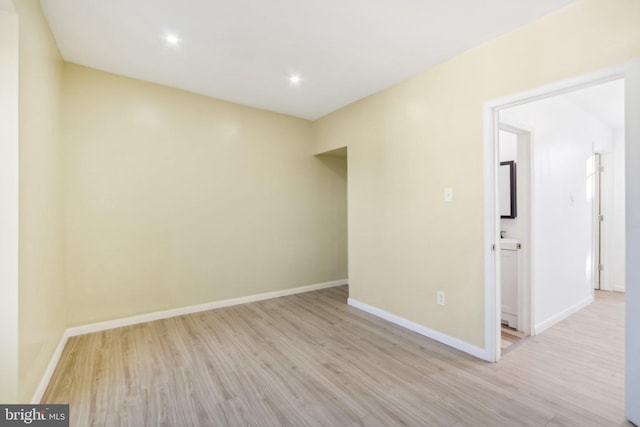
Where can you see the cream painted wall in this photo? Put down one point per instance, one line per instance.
(407, 143)
(174, 199)
(9, 58)
(42, 299)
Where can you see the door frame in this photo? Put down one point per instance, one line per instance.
(596, 221)
(491, 127)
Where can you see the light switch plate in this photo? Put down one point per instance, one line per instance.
(448, 194)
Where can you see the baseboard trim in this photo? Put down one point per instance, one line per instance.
(463, 346)
(165, 314)
(48, 373)
(553, 320)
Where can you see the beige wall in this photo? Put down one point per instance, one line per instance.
(407, 143)
(42, 299)
(174, 199)
(9, 58)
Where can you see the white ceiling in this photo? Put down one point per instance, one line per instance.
(245, 50)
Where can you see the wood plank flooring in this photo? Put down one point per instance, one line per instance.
(509, 337)
(311, 360)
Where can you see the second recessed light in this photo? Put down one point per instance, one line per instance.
(172, 39)
(295, 79)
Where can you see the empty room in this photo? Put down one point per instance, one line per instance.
(321, 213)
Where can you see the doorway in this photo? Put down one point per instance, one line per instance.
(562, 259)
(514, 146)
(571, 131)
(336, 161)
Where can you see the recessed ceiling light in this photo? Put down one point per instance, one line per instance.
(172, 39)
(295, 79)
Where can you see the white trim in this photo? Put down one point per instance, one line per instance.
(542, 326)
(51, 367)
(490, 113)
(492, 237)
(165, 314)
(632, 242)
(560, 87)
(422, 330)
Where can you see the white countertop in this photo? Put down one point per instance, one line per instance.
(509, 244)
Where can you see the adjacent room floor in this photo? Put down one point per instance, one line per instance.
(510, 339)
(312, 360)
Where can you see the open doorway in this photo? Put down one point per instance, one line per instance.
(336, 161)
(514, 191)
(574, 232)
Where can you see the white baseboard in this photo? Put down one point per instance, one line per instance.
(471, 349)
(553, 320)
(48, 373)
(149, 317)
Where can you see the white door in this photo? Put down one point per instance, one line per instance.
(597, 221)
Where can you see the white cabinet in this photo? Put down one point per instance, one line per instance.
(509, 282)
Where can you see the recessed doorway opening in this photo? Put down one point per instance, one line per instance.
(553, 252)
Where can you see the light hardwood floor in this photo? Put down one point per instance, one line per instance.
(311, 360)
(510, 339)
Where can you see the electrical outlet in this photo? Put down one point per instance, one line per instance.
(440, 297)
